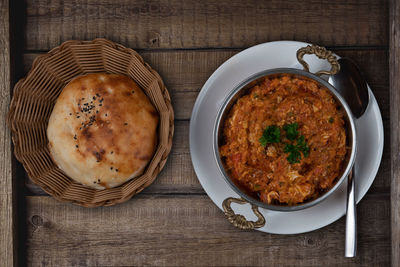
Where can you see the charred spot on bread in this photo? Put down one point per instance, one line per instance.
(86, 134)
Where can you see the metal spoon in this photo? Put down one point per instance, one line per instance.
(353, 88)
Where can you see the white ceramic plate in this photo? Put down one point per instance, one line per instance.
(222, 81)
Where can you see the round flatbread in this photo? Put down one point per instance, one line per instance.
(102, 131)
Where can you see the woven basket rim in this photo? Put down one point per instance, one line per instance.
(17, 142)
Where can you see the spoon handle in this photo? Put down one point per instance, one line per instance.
(351, 219)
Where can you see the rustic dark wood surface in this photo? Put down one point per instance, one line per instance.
(173, 222)
(395, 127)
(189, 230)
(200, 24)
(7, 199)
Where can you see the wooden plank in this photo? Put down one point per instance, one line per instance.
(188, 70)
(190, 231)
(200, 24)
(185, 72)
(394, 67)
(7, 197)
(179, 177)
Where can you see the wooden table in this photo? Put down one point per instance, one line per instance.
(173, 222)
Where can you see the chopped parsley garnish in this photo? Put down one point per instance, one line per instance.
(294, 154)
(271, 134)
(291, 131)
(302, 146)
(295, 148)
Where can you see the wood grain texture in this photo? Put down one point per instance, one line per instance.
(172, 223)
(178, 176)
(188, 70)
(189, 231)
(394, 64)
(199, 24)
(185, 72)
(7, 198)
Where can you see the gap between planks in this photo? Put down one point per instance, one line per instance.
(238, 49)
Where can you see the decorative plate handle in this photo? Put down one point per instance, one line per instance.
(238, 220)
(322, 53)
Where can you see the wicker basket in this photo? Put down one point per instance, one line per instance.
(35, 96)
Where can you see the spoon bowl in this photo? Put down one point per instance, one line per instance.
(351, 86)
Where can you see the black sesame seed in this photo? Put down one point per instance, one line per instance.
(70, 114)
(112, 152)
(97, 111)
(94, 98)
(125, 123)
(78, 117)
(111, 168)
(116, 170)
(76, 146)
(105, 114)
(100, 105)
(83, 98)
(97, 95)
(133, 92)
